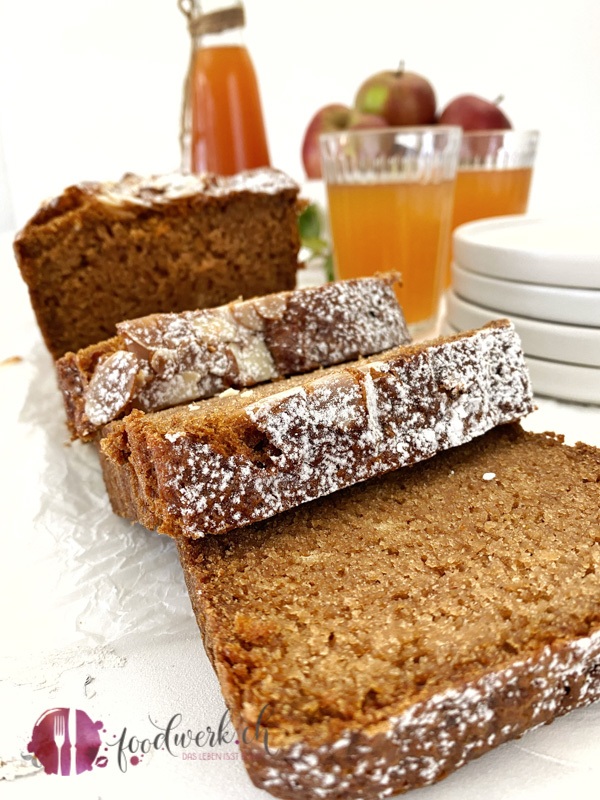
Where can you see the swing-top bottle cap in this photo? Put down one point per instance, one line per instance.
(216, 20)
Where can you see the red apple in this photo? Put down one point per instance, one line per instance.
(402, 98)
(333, 117)
(474, 113)
(361, 122)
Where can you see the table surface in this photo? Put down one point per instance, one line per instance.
(96, 617)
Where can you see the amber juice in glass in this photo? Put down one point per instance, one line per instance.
(390, 193)
(494, 176)
(403, 225)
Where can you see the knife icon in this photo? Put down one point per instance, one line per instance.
(72, 731)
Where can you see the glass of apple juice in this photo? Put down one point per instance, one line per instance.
(494, 176)
(389, 194)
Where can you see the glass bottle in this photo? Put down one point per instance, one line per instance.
(222, 126)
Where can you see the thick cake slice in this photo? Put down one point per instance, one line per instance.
(166, 359)
(387, 634)
(104, 252)
(232, 460)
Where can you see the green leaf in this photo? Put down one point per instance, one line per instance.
(328, 267)
(318, 247)
(309, 223)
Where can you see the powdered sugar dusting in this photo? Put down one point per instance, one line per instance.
(347, 319)
(375, 431)
(347, 426)
(441, 733)
(111, 387)
(197, 354)
(167, 188)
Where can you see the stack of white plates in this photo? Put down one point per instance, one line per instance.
(544, 275)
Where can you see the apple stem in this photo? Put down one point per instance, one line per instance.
(400, 70)
(499, 99)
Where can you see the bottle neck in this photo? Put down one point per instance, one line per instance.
(234, 37)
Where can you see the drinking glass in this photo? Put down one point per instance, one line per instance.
(390, 193)
(494, 176)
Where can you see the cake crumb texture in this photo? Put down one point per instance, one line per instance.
(398, 628)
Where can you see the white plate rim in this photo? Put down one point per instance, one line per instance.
(562, 304)
(549, 340)
(536, 265)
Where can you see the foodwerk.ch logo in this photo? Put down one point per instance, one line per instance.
(66, 741)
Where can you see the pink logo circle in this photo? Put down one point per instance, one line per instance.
(65, 741)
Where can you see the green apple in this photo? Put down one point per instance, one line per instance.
(402, 98)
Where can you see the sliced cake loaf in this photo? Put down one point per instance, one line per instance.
(166, 359)
(104, 252)
(228, 461)
(375, 640)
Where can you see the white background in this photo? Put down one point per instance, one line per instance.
(91, 89)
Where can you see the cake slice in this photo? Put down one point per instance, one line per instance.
(228, 461)
(104, 252)
(375, 640)
(166, 359)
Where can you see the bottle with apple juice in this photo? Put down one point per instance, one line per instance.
(390, 194)
(493, 178)
(222, 126)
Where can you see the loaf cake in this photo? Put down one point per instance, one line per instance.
(225, 462)
(104, 252)
(375, 640)
(163, 360)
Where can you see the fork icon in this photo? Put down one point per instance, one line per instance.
(59, 739)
